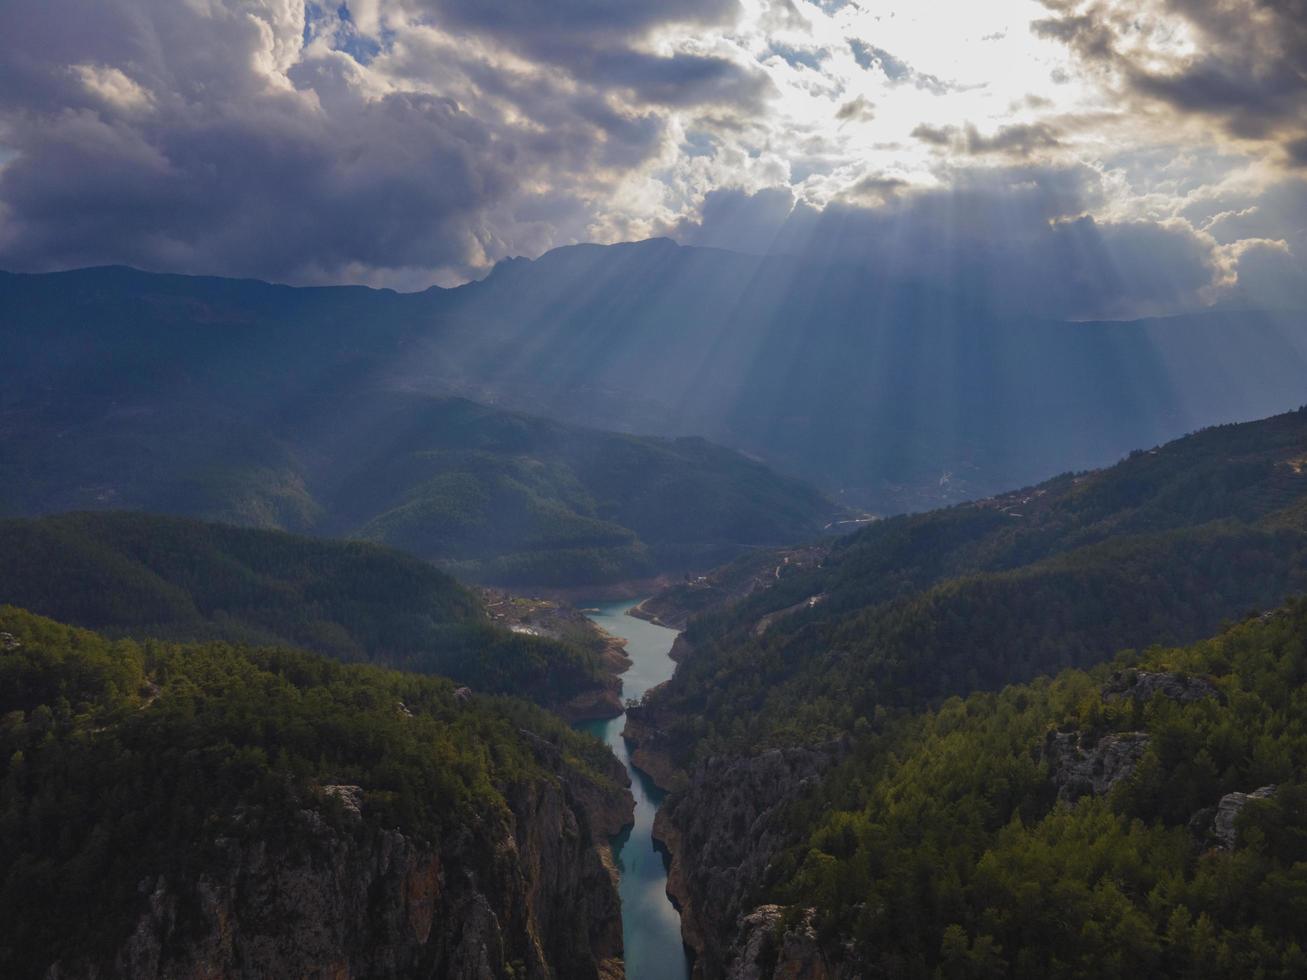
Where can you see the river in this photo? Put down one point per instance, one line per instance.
(651, 926)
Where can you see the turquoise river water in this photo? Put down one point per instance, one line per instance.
(651, 926)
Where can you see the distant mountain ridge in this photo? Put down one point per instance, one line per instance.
(894, 395)
(275, 407)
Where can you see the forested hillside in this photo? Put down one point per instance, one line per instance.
(279, 408)
(1147, 818)
(518, 500)
(1160, 548)
(839, 812)
(170, 810)
(144, 575)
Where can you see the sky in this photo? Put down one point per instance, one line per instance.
(1088, 159)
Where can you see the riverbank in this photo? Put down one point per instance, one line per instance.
(559, 620)
(651, 923)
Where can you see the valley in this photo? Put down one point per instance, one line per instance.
(651, 923)
(969, 649)
(653, 490)
(741, 739)
(1108, 660)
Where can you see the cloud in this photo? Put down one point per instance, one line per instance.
(597, 41)
(248, 138)
(859, 109)
(875, 189)
(935, 135)
(1020, 139)
(1014, 240)
(1016, 139)
(1270, 275)
(738, 220)
(113, 87)
(401, 142)
(898, 71)
(679, 79)
(1239, 63)
(565, 23)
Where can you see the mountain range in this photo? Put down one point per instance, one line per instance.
(888, 395)
(279, 408)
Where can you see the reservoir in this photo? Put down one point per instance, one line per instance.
(651, 926)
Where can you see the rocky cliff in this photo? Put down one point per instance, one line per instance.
(528, 891)
(722, 831)
(768, 947)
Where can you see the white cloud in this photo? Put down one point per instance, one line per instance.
(113, 87)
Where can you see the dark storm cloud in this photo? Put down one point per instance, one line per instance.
(201, 138)
(1248, 71)
(595, 40)
(269, 193)
(1013, 239)
(561, 22)
(679, 79)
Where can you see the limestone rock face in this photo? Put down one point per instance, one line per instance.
(351, 797)
(1079, 769)
(1141, 685)
(1228, 810)
(723, 831)
(764, 950)
(528, 890)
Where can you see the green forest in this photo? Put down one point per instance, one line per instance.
(941, 850)
(492, 495)
(1161, 548)
(144, 575)
(128, 759)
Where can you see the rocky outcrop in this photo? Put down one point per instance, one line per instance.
(1224, 822)
(650, 747)
(1142, 685)
(723, 832)
(597, 704)
(766, 949)
(652, 610)
(1080, 769)
(351, 797)
(681, 649)
(526, 890)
